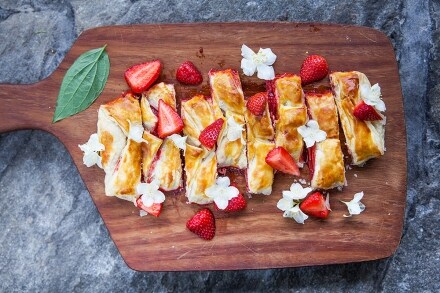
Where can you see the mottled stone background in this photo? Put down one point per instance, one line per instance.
(51, 236)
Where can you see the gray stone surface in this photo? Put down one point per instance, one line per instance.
(51, 235)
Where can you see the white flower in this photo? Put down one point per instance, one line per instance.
(296, 192)
(179, 141)
(221, 192)
(311, 133)
(91, 149)
(289, 204)
(135, 132)
(235, 130)
(371, 96)
(296, 214)
(150, 193)
(260, 62)
(355, 207)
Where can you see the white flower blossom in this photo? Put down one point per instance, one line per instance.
(311, 133)
(135, 132)
(179, 141)
(355, 207)
(260, 62)
(371, 96)
(289, 204)
(234, 130)
(296, 214)
(150, 193)
(91, 149)
(221, 192)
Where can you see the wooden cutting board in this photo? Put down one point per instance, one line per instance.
(258, 237)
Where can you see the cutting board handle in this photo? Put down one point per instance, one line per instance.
(27, 106)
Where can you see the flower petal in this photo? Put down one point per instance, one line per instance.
(158, 196)
(284, 204)
(234, 130)
(135, 132)
(247, 52)
(358, 196)
(248, 67)
(231, 192)
(265, 72)
(147, 200)
(221, 202)
(270, 56)
(90, 158)
(223, 181)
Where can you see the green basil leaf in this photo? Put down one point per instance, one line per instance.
(83, 83)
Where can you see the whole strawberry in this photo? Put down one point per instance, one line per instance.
(202, 224)
(187, 73)
(314, 68)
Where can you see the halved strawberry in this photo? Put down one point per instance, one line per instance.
(188, 73)
(154, 210)
(257, 103)
(314, 205)
(208, 136)
(281, 160)
(202, 224)
(234, 205)
(314, 68)
(169, 122)
(141, 76)
(311, 159)
(366, 112)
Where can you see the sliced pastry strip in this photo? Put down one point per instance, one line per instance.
(228, 99)
(260, 135)
(197, 113)
(112, 137)
(125, 111)
(364, 139)
(125, 177)
(166, 168)
(322, 109)
(291, 114)
(201, 172)
(150, 148)
(326, 161)
(161, 91)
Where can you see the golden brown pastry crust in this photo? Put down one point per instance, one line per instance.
(149, 151)
(124, 109)
(365, 140)
(227, 97)
(161, 91)
(329, 171)
(291, 114)
(259, 175)
(226, 90)
(201, 172)
(112, 137)
(122, 182)
(167, 169)
(149, 119)
(197, 113)
(259, 126)
(322, 109)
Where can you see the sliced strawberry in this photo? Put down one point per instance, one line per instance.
(314, 205)
(271, 99)
(234, 205)
(314, 68)
(366, 112)
(208, 136)
(202, 224)
(154, 210)
(311, 163)
(281, 160)
(257, 103)
(169, 122)
(141, 76)
(188, 73)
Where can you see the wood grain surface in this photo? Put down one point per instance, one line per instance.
(258, 237)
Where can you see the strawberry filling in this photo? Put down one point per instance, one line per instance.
(311, 162)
